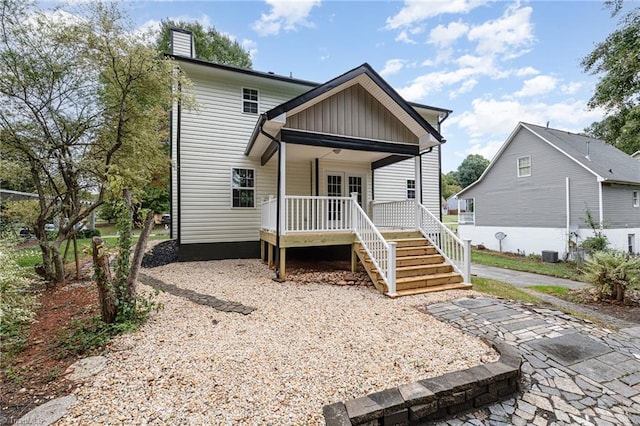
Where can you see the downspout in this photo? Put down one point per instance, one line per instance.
(278, 198)
(440, 121)
(568, 201)
(600, 206)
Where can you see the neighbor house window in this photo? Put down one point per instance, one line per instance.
(524, 166)
(250, 101)
(631, 239)
(411, 188)
(243, 187)
(636, 198)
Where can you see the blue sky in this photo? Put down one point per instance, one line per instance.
(493, 63)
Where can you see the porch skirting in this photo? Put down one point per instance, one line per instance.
(218, 251)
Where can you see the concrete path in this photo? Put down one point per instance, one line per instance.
(574, 371)
(521, 279)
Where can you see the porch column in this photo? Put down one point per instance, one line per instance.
(282, 175)
(418, 177)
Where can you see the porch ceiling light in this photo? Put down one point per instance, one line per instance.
(337, 150)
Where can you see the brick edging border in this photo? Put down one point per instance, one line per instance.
(433, 398)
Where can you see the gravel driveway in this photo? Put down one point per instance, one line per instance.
(305, 346)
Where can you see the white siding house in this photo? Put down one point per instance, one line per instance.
(267, 160)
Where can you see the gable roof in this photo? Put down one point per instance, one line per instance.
(604, 161)
(365, 75)
(332, 85)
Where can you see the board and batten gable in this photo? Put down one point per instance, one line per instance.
(352, 112)
(501, 198)
(619, 212)
(213, 139)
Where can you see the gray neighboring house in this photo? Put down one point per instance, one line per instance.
(539, 187)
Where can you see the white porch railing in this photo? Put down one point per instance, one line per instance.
(457, 251)
(335, 214)
(317, 214)
(381, 252)
(268, 214)
(395, 214)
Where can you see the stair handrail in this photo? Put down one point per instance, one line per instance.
(381, 252)
(456, 250)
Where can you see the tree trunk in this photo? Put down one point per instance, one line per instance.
(619, 293)
(58, 263)
(137, 256)
(104, 280)
(46, 269)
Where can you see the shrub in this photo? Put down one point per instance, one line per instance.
(612, 273)
(17, 302)
(595, 244)
(88, 233)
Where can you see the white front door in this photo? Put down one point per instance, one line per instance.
(342, 184)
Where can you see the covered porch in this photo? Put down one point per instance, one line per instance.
(327, 143)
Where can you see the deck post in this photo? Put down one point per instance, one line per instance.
(354, 259)
(391, 269)
(262, 250)
(354, 213)
(418, 191)
(270, 263)
(283, 188)
(283, 262)
(467, 260)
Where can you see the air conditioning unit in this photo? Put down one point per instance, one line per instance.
(549, 256)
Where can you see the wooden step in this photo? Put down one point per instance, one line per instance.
(426, 259)
(420, 270)
(428, 280)
(415, 251)
(430, 289)
(411, 242)
(396, 234)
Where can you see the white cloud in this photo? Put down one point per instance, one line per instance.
(285, 15)
(508, 35)
(392, 66)
(526, 71)
(445, 36)
(415, 11)
(490, 117)
(403, 37)
(250, 46)
(571, 88)
(538, 85)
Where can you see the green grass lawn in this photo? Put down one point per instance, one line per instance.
(450, 218)
(501, 289)
(29, 257)
(526, 264)
(553, 290)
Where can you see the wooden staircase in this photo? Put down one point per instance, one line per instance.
(419, 266)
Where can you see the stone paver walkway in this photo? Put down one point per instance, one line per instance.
(202, 299)
(574, 373)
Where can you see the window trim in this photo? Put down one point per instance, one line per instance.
(518, 167)
(410, 189)
(635, 199)
(253, 188)
(243, 100)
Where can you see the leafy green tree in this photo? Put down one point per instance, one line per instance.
(471, 169)
(450, 184)
(210, 44)
(84, 102)
(616, 61)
